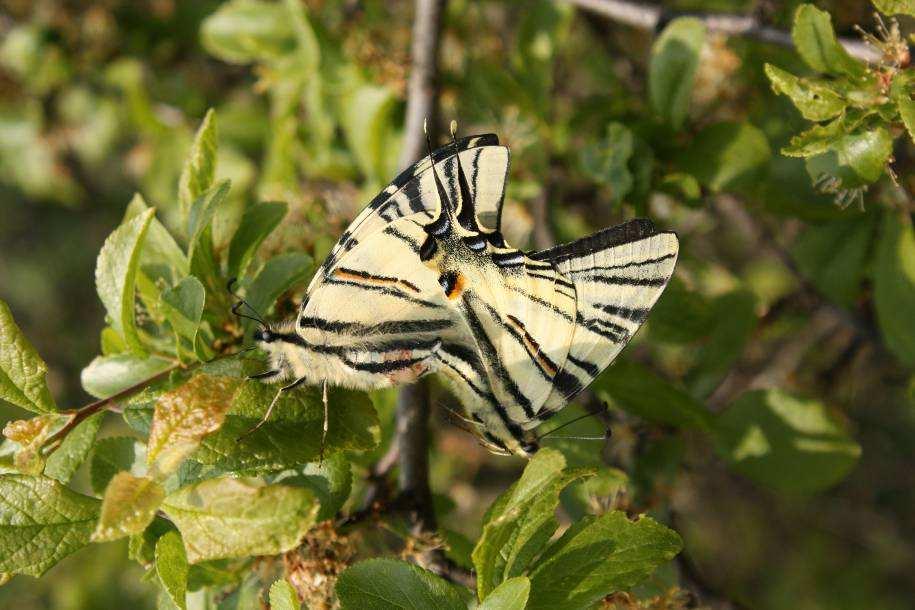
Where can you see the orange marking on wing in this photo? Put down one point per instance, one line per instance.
(458, 287)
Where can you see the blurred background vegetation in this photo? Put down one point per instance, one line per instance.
(775, 288)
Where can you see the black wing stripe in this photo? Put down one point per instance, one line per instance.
(383, 290)
(389, 327)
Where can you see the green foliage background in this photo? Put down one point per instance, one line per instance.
(151, 150)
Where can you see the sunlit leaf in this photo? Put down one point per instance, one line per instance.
(598, 556)
(200, 164)
(41, 522)
(112, 455)
(74, 449)
(115, 276)
(184, 416)
(855, 159)
(172, 568)
(22, 371)
(242, 31)
(816, 43)
(107, 375)
(672, 71)
(258, 222)
(510, 595)
(833, 256)
(30, 435)
(231, 517)
(183, 308)
(896, 7)
(520, 522)
(277, 276)
(815, 100)
(128, 506)
(283, 596)
(727, 156)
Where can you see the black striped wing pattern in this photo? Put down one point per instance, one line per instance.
(423, 282)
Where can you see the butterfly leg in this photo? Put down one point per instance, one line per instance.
(276, 398)
(324, 431)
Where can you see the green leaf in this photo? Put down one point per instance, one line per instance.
(832, 256)
(231, 517)
(184, 416)
(200, 165)
(894, 285)
(160, 247)
(638, 390)
(606, 161)
(172, 568)
(115, 276)
(278, 275)
(817, 139)
(258, 222)
(521, 520)
(73, 450)
(383, 584)
(900, 93)
(785, 443)
(23, 374)
(727, 156)
(855, 159)
(201, 213)
(367, 120)
(331, 481)
(183, 307)
(735, 319)
(681, 315)
(128, 506)
(815, 100)
(283, 596)
(292, 435)
(510, 595)
(598, 556)
(110, 456)
(107, 375)
(816, 43)
(41, 522)
(896, 7)
(672, 69)
(30, 435)
(243, 31)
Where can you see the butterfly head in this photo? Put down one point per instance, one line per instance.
(283, 351)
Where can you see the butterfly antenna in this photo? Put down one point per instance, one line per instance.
(570, 422)
(242, 302)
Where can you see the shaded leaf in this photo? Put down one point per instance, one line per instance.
(894, 285)
(331, 482)
(816, 43)
(41, 522)
(112, 455)
(672, 69)
(367, 120)
(606, 161)
(229, 517)
(638, 390)
(128, 506)
(115, 276)
(278, 275)
(817, 139)
(23, 374)
(184, 416)
(107, 375)
(283, 596)
(74, 449)
(815, 100)
(598, 556)
(783, 442)
(183, 307)
(832, 256)
(900, 92)
(510, 595)
(160, 247)
(382, 584)
(258, 222)
(172, 568)
(727, 156)
(200, 217)
(200, 164)
(855, 159)
(292, 435)
(521, 520)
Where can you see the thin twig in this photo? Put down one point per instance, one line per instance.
(648, 17)
(77, 416)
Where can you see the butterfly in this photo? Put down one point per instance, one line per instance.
(424, 282)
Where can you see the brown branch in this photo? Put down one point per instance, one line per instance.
(649, 17)
(77, 416)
